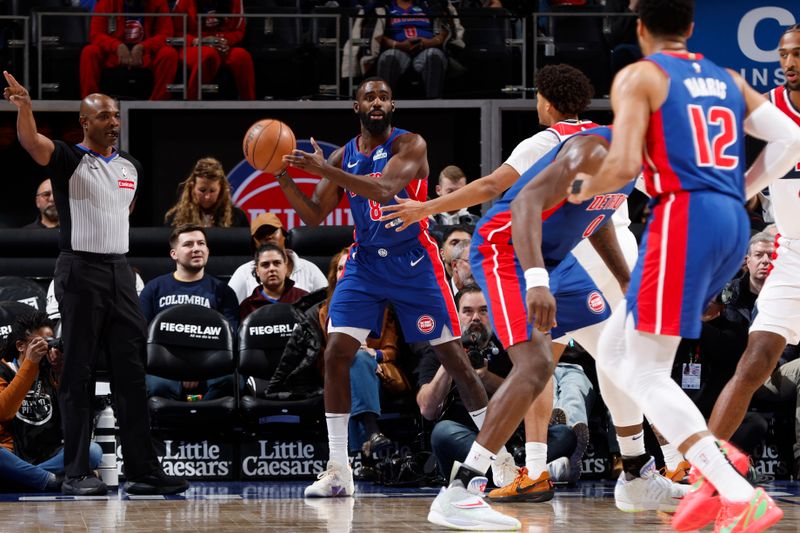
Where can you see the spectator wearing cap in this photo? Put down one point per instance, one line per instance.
(274, 284)
(267, 228)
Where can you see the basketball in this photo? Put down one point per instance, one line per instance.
(266, 142)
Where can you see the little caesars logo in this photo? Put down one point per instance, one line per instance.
(277, 458)
(195, 459)
(193, 330)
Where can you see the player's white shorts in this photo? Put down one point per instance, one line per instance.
(779, 300)
(597, 269)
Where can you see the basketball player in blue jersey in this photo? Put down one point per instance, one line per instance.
(685, 118)
(383, 266)
(533, 229)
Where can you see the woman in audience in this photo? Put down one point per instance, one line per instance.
(206, 199)
(275, 286)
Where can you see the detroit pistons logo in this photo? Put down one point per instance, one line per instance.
(258, 192)
(595, 302)
(425, 324)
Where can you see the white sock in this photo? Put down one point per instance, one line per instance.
(632, 446)
(478, 417)
(535, 458)
(672, 457)
(706, 455)
(337, 436)
(479, 458)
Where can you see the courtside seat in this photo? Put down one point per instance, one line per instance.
(262, 338)
(8, 312)
(191, 343)
(25, 291)
(319, 244)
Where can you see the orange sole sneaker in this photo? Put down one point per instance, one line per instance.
(524, 489)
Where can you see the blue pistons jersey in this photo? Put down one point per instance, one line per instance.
(388, 266)
(563, 225)
(370, 231)
(497, 270)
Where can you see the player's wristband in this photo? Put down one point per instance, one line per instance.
(536, 277)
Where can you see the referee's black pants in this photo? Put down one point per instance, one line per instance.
(100, 313)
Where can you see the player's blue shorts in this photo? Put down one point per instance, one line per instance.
(579, 303)
(411, 277)
(693, 245)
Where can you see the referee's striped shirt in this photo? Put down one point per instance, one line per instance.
(93, 195)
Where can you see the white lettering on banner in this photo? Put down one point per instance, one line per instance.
(191, 329)
(337, 217)
(761, 76)
(269, 330)
(278, 458)
(5, 330)
(30, 301)
(177, 299)
(194, 459)
(746, 35)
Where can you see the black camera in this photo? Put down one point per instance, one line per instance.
(54, 342)
(475, 340)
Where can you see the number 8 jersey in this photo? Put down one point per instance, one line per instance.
(695, 141)
(370, 231)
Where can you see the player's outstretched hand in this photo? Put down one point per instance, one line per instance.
(403, 214)
(16, 93)
(541, 308)
(580, 189)
(313, 163)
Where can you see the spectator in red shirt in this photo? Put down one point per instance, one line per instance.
(274, 283)
(227, 33)
(129, 41)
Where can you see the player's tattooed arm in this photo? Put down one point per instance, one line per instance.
(326, 195)
(605, 243)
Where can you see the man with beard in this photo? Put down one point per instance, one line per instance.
(95, 187)
(453, 433)
(48, 214)
(778, 320)
(383, 266)
(189, 284)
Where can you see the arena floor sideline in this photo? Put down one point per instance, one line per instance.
(280, 507)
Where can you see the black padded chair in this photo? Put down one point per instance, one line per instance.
(191, 343)
(487, 57)
(262, 338)
(319, 244)
(23, 290)
(8, 312)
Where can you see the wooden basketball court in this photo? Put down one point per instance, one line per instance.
(280, 507)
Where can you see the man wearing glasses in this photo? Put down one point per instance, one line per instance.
(48, 214)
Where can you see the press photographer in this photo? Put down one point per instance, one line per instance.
(31, 443)
(438, 400)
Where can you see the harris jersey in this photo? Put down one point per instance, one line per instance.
(785, 192)
(695, 140)
(370, 231)
(565, 224)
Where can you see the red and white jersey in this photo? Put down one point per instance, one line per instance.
(529, 151)
(785, 192)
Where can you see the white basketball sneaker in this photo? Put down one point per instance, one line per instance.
(504, 469)
(335, 481)
(649, 492)
(457, 507)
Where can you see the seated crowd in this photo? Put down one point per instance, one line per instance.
(386, 371)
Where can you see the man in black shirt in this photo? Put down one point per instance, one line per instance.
(94, 186)
(48, 214)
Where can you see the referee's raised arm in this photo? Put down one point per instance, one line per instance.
(40, 147)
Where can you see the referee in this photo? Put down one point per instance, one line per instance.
(94, 186)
